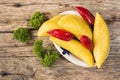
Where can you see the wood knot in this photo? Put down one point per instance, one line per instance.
(65, 5)
(4, 73)
(17, 5)
(112, 19)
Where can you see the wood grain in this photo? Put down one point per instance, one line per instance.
(17, 61)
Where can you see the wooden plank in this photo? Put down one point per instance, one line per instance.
(29, 67)
(7, 40)
(12, 47)
(16, 51)
(27, 51)
(16, 77)
(20, 16)
(107, 3)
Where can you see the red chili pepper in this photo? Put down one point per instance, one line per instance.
(86, 42)
(86, 14)
(61, 34)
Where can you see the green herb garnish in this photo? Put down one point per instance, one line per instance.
(22, 34)
(36, 20)
(49, 58)
(46, 55)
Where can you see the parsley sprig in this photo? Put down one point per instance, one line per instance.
(37, 20)
(22, 34)
(46, 55)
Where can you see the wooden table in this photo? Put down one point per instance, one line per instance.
(17, 61)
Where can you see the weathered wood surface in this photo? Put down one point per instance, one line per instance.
(17, 61)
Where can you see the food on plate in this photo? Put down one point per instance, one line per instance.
(86, 42)
(61, 34)
(76, 48)
(56, 18)
(101, 40)
(22, 34)
(76, 25)
(49, 25)
(86, 15)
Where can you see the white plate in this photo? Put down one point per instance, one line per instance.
(67, 54)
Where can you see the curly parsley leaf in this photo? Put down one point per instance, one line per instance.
(38, 48)
(49, 58)
(36, 20)
(22, 34)
(46, 55)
